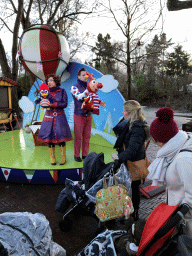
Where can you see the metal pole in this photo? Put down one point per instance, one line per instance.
(15, 115)
(10, 124)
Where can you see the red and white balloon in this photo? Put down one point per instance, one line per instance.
(44, 50)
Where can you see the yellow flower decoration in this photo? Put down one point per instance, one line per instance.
(99, 194)
(116, 211)
(119, 197)
(111, 190)
(103, 215)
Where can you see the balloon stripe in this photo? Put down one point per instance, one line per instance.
(43, 50)
(65, 54)
(49, 48)
(30, 48)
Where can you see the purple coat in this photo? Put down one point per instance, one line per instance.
(55, 128)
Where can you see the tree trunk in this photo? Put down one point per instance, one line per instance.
(3, 62)
(128, 61)
(128, 76)
(15, 40)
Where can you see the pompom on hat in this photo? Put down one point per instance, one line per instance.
(164, 127)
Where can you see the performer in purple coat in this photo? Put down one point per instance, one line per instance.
(54, 128)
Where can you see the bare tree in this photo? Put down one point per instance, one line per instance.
(18, 15)
(135, 19)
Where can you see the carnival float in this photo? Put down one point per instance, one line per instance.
(43, 50)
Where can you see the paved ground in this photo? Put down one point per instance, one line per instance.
(42, 198)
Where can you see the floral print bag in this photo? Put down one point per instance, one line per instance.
(113, 202)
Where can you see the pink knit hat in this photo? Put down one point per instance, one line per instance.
(164, 127)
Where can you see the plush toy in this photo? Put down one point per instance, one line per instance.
(92, 101)
(43, 92)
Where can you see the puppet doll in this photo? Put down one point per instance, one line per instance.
(43, 92)
(92, 101)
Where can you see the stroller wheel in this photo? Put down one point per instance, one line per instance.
(65, 225)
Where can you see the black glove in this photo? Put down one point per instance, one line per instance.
(116, 165)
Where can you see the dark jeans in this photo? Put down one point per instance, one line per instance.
(136, 193)
(62, 144)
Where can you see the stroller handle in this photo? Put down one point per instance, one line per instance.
(182, 210)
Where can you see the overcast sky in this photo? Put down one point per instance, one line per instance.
(177, 25)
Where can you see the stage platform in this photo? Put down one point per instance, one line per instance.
(23, 162)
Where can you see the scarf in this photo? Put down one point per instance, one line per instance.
(53, 89)
(82, 83)
(166, 155)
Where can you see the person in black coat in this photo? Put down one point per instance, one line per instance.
(130, 143)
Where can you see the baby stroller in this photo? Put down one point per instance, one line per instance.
(82, 194)
(156, 239)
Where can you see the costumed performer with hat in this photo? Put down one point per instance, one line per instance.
(173, 164)
(55, 128)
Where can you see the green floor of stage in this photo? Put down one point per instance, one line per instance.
(17, 150)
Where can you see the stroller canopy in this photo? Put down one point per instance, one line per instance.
(157, 219)
(94, 168)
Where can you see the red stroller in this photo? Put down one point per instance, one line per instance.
(156, 237)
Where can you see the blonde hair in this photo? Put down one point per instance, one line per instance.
(135, 111)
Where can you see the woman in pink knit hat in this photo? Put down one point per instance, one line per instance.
(173, 164)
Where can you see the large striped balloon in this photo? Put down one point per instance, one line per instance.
(43, 50)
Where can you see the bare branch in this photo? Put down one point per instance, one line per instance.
(14, 8)
(68, 16)
(120, 60)
(6, 25)
(40, 14)
(44, 9)
(29, 10)
(118, 24)
(55, 11)
(126, 7)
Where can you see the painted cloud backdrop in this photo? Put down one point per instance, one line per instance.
(109, 83)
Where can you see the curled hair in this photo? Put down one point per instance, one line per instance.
(80, 70)
(135, 111)
(56, 79)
